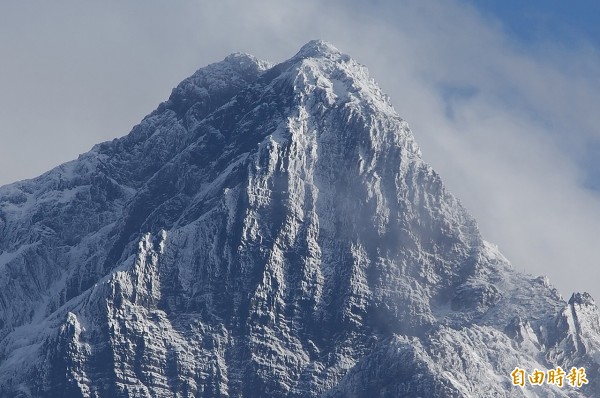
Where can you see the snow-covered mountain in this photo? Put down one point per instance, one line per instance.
(269, 231)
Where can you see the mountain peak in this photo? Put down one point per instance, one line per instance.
(267, 231)
(318, 49)
(244, 61)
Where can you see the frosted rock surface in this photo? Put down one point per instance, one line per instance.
(269, 231)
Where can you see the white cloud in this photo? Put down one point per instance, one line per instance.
(506, 127)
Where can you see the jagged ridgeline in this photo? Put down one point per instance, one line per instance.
(269, 231)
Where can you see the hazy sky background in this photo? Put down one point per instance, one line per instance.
(503, 96)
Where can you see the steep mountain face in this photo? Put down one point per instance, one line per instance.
(269, 231)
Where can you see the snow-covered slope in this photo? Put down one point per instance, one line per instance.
(269, 231)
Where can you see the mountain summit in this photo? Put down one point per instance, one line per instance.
(269, 231)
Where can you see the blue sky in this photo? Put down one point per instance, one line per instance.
(502, 96)
(568, 23)
(566, 26)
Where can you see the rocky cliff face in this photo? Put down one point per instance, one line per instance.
(269, 231)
